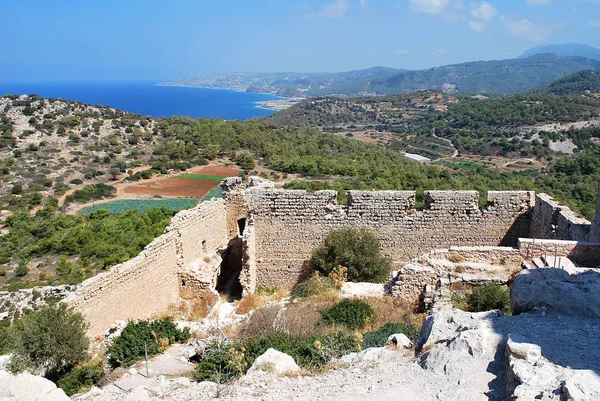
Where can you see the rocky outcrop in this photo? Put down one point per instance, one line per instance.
(14, 304)
(558, 291)
(27, 387)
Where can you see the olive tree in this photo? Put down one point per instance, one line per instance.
(50, 341)
(357, 249)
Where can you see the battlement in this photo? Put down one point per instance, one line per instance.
(551, 220)
(289, 224)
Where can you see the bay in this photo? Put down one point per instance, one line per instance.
(147, 98)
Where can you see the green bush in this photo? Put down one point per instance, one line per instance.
(128, 348)
(379, 337)
(225, 362)
(51, 340)
(488, 297)
(314, 285)
(352, 313)
(354, 248)
(81, 378)
(76, 181)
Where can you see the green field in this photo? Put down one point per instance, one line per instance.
(201, 177)
(214, 193)
(121, 206)
(461, 164)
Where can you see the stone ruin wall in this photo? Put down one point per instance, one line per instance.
(289, 224)
(551, 220)
(149, 283)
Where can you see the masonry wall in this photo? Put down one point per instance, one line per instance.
(289, 224)
(149, 283)
(551, 220)
(582, 253)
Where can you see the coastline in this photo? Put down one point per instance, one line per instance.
(278, 104)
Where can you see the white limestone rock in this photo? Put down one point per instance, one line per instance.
(557, 290)
(273, 361)
(27, 387)
(350, 289)
(399, 341)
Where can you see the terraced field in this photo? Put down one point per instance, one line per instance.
(123, 205)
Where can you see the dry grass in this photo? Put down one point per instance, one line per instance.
(193, 305)
(263, 321)
(388, 310)
(303, 316)
(258, 299)
(456, 258)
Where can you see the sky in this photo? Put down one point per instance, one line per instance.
(114, 40)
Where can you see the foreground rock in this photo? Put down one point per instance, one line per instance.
(558, 291)
(27, 387)
(273, 361)
(540, 355)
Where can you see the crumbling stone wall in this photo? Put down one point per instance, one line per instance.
(149, 283)
(551, 220)
(289, 224)
(583, 253)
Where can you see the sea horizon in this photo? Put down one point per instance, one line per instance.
(150, 98)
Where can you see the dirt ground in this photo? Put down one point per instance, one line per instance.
(177, 187)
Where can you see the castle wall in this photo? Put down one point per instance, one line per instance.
(248, 273)
(582, 253)
(289, 224)
(551, 220)
(149, 283)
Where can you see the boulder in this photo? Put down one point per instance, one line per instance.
(27, 387)
(558, 291)
(273, 361)
(399, 341)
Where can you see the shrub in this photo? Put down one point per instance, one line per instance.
(356, 249)
(224, 362)
(81, 378)
(2, 272)
(76, 181)
(128, 348)
(352, 313)
(488, 297)
(379, 337)
(51, 340)
(314, 285)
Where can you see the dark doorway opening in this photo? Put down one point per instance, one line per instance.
(228, 282)
(241, 226)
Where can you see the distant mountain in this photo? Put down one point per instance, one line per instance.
(481, 77)
(566, 50)
(495, 77)
(289, 84)
(582, 82)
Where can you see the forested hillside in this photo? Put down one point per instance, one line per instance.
(43, 150)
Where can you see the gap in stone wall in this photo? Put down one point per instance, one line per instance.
(228, 282)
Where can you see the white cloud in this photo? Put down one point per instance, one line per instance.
(402, 52)
(439, 51)
(483, 11)
(595, 23)
(477, 26)
(527, 30)
(334, 10)
(364, 3)
(428, 6)
(546, 3)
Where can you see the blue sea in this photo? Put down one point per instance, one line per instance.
(148, 99)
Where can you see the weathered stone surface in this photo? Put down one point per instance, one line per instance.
(399, 341)
(273, 361)
(558, 291)
(27, 387)
(289, 224)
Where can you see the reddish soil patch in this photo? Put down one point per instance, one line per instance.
(172, 187)
(218, 171)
